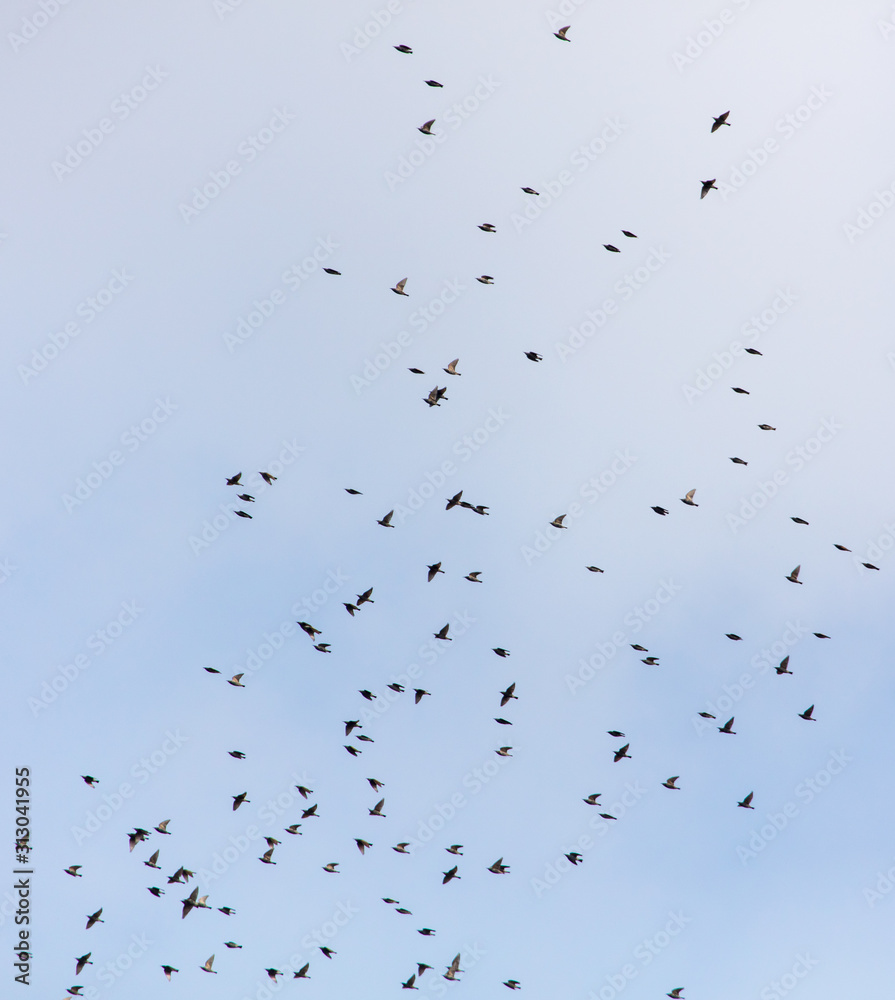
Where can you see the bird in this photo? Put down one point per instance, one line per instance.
(575, 858)
(708, 186)
(236, 679)
(807, 714)
(268, 478)
(322, 647)
(443, 633)
(869, 566)
(231, 944)
(746, 803)
(434, 570)
(453, 969)
(740, 390)
(487, 227)
(616, 733)
(707, 715)
(719, 121)
(239, 799)
(94, 918)
(798, 520)
(508, 695)
(168, 969)
(782, 669)
(660, 510)
(435, 396)
(454, 849)
(247, 497)
(675, 994)
(499, 868)
(426, 129)
(350, 608)
(504, 722)
(228, 911)
(73, 871)
(81, 962)
(151, 863)
(302, 972)
(354, 493)
(561, 34)
(207, 967)
(303, 791)
(513, 984)
(485, 279)
(367, 694)
(327, 951)
(90, 780)
(739, 461)
(504, 752)
(629, 234)
(238, 754)
(794, 575)
(385, 522)
(402, 847)
(594, 569)
(820, 635)
(408, 985)
(621, 753)
(611, 248)
(841, 548)
(529, 190)
(650, 661)
(726, 727)
(331, 868)
(399, 287)
(419, 694)
(454, 500)
(190, 902)
(406, 49)
(273, 973)
(234, 480)
(136, 837)
(557, 522)
(450, 874)
(332, 270)
(688, 499)
(452, 367)
(670, 783)
(293, 829)
(375, 784)
(352, 750)
(532, 356)
(641, 649)
(365, 597)
(426, 932)
(501, 651)
(474, 577)
(734, 636)
(242, 513)
(433, 83)
(766, 427)
(163, 827)
(266, 857)
(377, 809)
(591, 799)
(752, 350)
(211, 670)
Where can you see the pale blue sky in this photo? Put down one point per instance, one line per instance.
(177, 178)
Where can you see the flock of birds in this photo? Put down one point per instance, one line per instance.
(181, 876)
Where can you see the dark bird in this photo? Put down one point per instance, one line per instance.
(798, 520)
(239, 799)
(869, 566)
(402, 847)
(93, 782)
(614, 732)
(726, 727)
(794, 575)
(575, 858)
(486, 279)
(660, 510)
(273, 973)
(707, 715)
(426, 932)
(719, 121)
(332, 270)
(248, 498)
(630, 235)
(207, 967)
(409, 984)
(486, 227)
(501, 651)
(365, 597)
(529, 190)
(386, 521)
(820, 635)
(303, 971)
(533, 357)
(433, 83)
(670, 783)
(311, 631)
(747, 802)
(136, 837)
(708, 186)
(591, 799)
(499, 868)
(473, 577)
(807, 714)
(73, 871)
(242, 513)
(168, 969)
(434, 570)
(352, 750)
(448, 875)
(841, 548)
(323, 647)
(367, 694)
(94, 918)
(151, 863)
(640, 649)
(739, 461)
(742, 392)
(784, 663)
(419, 694)
(327, 951)
(304, 792)
(557, 522)
(362, 845)
(81, 962)
(766, 427)
(594, 569)
(238, 754)
(268, 478)
(406, 49)
(513, 984)
(211, 670)
(331, 868)
(426, 127)
(621, 753)
(375, 784)
(350, 608)
(453, 969)
(443, 633)
(454, 500)
(377, 809)
(504, 722)
(675, 994)
(266, 857)
(354, 493)
(234, 480)
(751, 350)
(452, 368)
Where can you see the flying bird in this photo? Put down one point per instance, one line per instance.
(742, 392)
(747, 802)
(611, 248)
(406, 49)
(73, 871)
(719, 121)
(433, 83)
(239, 799)
(532, 356)
(561, 34)
(726, 727)
(474, 577)
(807, 714)
(81, 962)
(434, 570)
(399, 288)
(452, 367)
(207, 967)
(670, 783)
(443, 633)
(660, 510)
(426, 129)
(594, 569)
(450, 874)
(487, 227)
(621, 753)
(486, 279)
(708, 186)
(302, 972)
(94, 918)
(739, 461)
(268, 478)
(798, 520)
(794, 575)
(332, 270)
(386, 521)
(557, 522)
(234, 480)
(499, 868)
(766, 427)
(688, 499)
(782, 669)
(528, 190)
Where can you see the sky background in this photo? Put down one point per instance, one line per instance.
(160, 339)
